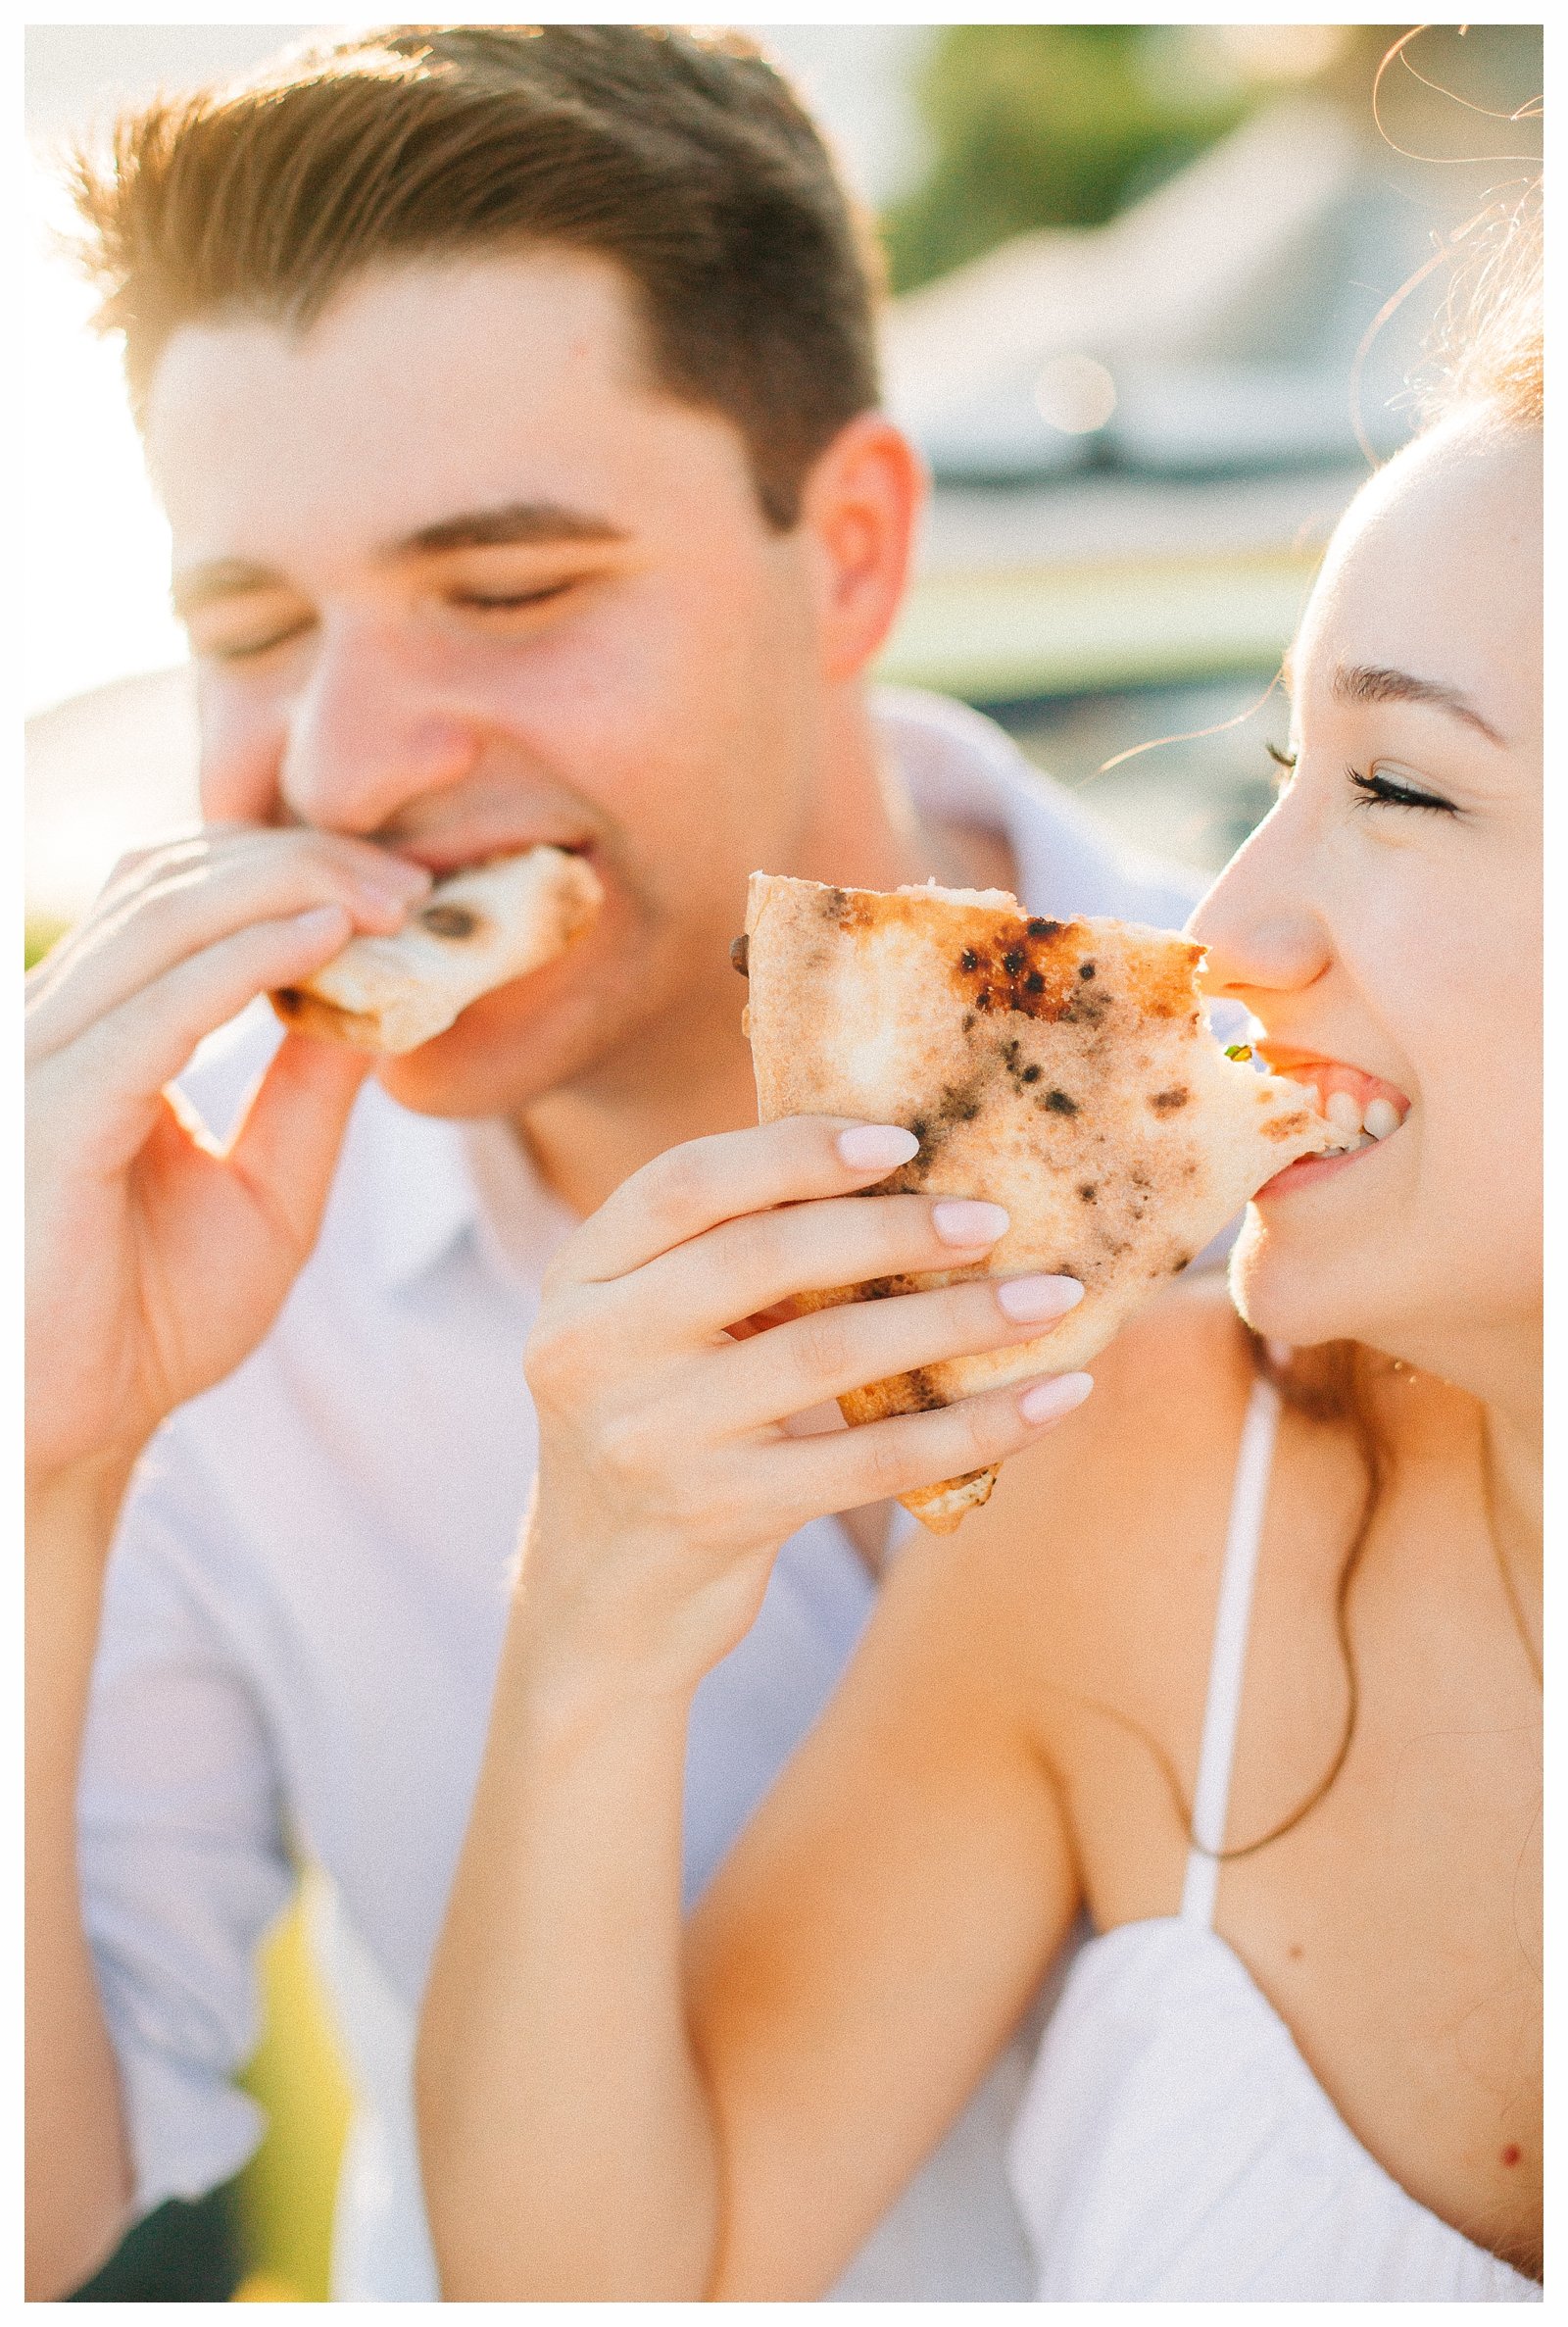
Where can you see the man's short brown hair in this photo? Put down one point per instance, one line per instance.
(682, 157)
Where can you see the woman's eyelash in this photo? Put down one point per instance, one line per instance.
(1374, 788)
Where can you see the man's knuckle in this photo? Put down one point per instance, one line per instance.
(139, 863)
(332, 870)
(149, 910)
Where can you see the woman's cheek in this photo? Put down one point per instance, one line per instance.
(1476, 1083)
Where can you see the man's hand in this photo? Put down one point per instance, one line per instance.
(154, 1260)
(667, 1477)
(155, 1263)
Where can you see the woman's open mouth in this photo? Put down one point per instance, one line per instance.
(1363, 1107)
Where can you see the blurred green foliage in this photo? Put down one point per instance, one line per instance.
(1046, 126)
(39, 936)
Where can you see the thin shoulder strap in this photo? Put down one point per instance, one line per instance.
(1228, 1659)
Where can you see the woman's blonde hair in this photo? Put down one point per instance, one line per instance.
(1488, 349)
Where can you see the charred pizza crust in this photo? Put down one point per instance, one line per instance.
(1061, 1069)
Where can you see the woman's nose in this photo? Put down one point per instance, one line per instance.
(369, 730)
(1258, 923)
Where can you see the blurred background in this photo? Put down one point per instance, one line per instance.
(1136, 277)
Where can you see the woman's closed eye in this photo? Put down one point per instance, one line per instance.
(1388, 785)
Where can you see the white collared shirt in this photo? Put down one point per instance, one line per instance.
(305, 1609)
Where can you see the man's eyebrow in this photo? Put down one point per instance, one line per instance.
(1363, 683)
(220, 577)
(516, 523)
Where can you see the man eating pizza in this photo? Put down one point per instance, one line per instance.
(511, 395)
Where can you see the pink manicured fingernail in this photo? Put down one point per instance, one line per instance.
(321, 919)
(960, 1220)
(1031, 1299)
(1048, 1401)
(876, 1147)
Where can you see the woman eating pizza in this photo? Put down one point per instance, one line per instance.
(1240, 1666)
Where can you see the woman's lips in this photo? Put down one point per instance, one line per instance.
(1312, 1168)
(1363, 1106)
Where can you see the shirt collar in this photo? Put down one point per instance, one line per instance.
(422, 1194)
(435, 1183)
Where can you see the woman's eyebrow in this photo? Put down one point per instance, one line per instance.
(1359, 682)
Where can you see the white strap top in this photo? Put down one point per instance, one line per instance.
(1228, 1658)
(1173, 2144)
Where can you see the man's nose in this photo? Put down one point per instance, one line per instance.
(1260, 923)
(371, 728)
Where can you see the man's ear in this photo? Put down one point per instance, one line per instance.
(860, 509)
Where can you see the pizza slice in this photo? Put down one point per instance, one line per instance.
(1060, 1069)
(475, 931)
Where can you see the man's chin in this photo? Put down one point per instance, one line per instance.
(475, 1067)
(460, 1079)
(500, 1056)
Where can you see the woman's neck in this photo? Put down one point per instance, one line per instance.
(1501, 1367)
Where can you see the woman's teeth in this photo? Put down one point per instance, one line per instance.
(1361, 1125)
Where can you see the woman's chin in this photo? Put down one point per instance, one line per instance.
(1290, 1297)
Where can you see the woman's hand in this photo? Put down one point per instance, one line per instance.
(573, 2144)
(154, 1260)
(667, 1477)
